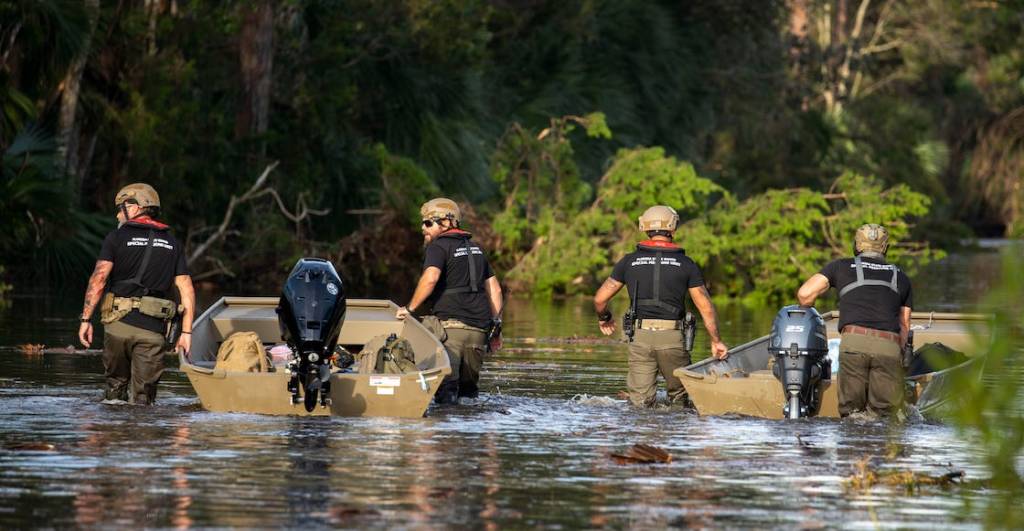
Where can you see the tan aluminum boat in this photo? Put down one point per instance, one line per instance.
(744, 384)
(352, 394)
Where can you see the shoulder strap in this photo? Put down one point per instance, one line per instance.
(137, 279)
(861, 281)
(656, 299)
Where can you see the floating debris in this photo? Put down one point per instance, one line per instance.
(32, 446)
(31, 349)
(642, 454)
(866, 475)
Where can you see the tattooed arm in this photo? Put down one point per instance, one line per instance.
(93, 292)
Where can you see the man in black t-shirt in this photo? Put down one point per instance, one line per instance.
(875, 301)
(658, 276)
(142, 262)
(458, 282)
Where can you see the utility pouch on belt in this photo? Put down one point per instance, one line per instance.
(162, 309)
(113, 310)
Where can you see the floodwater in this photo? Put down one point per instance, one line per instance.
(532, 451)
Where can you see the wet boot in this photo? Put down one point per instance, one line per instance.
(447, 393)
(116, 393)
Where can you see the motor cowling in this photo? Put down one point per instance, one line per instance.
(799, 344)
(310, 314)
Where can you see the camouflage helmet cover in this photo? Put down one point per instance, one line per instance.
(659, 217)
(871, 237)
(439, 208)
(140, 193)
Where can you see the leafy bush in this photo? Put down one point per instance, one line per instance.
(761, 249)
(582, 251)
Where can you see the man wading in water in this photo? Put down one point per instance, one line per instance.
(458, 282)
(143, 261)
(658, 275)
(875, 301)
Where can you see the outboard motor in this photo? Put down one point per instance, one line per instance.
(800, 346)
(310, 314)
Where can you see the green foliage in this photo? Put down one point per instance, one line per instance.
(4, 288)
(761, 249)
(991, 409)
(404, 185)
(540, 182)
(35, 208)
(582, 251)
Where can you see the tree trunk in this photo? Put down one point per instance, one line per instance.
(67, 127)
(256, 56)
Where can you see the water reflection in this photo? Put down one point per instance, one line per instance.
(532, 452)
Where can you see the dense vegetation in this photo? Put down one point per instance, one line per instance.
(774, 127)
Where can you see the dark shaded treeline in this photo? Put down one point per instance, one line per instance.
(370, 107)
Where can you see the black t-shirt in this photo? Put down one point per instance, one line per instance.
(678, 274)
(449, 253)
(125, 247)
(876, 307)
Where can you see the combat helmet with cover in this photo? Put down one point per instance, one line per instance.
(659, 217)
(871, 238)
(141, 194)
(441, 208)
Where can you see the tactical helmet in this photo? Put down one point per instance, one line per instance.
(140, 193)
(871, 237)
(439, 208)
(659, 217)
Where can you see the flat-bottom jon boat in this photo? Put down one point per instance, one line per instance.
(744, 384)
(352, 394)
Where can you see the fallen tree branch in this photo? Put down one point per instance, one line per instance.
(255, 191)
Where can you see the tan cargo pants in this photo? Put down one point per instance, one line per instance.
(465, 348)
(653, 352)
(870, 375)
(133, 357)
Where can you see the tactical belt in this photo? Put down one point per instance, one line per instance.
(659, 324)
(656, 300)
(455, 323)
(871, 332)
(861, 281)
(151, 306)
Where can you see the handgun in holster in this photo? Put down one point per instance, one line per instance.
(493, 331)
(908, 350)
(629, 318)
(689, 331)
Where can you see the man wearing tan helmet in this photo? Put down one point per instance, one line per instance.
(658, 276)
(458, 282)
(142, 262)
(875, 301)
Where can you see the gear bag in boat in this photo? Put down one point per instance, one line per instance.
(387, 354)
(243, 352)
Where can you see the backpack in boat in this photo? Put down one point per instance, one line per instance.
(387, 354)
(243, 352)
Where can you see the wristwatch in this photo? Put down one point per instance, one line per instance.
(604, 316)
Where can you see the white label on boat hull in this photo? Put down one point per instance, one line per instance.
(385, 381)
(385, 390)
(794, 328)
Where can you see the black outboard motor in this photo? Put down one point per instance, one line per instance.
(800, 346)
(310, 313)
